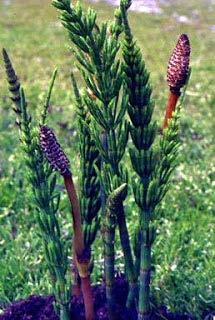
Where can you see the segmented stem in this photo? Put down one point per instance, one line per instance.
(43, 186)
(129, 263)
(114, 204)
(145, 269)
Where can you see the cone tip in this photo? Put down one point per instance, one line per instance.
(4, 52)
(183, 38)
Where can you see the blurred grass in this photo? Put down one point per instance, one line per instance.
(185, 250)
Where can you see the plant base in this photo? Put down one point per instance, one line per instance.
(41, 307)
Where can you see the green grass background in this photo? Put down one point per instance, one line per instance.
(184, 252)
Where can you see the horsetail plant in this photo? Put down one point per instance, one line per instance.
(43, 183)
(90, 162)
(89, 196)
(152, 186)
(96, 52)
(143, 157)
(115, 110)
(59, 161)
(99, 64)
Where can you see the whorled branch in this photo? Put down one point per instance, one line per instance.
(43, 190)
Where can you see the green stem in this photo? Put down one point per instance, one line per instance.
(109, 239)
(145, 270)
(114, 204)
(129, 264)
(64, 313)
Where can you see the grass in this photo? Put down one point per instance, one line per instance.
(184, 251)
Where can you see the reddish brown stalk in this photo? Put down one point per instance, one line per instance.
(76, 215)
(170, 108)
(88, 299)
(81, 263)
(76, 287)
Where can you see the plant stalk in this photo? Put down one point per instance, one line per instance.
(109, 239)
(76, 287)
(82, 265)
(170, 108)
(145, 270)
(114, 205)
(64, 313)
(129, 264)
(76, 215)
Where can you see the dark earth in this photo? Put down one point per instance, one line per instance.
(38, 307)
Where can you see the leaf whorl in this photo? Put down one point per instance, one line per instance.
(178, 67)
(53, 151)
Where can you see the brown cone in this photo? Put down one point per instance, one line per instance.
(53, 151)
(178, 66)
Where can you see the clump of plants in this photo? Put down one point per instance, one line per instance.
(114, 112)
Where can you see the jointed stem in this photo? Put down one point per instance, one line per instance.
(82, 263)
(129, 264)
(145, 270)
(109, 239)
(114, 205)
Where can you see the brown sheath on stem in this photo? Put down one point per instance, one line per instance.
(170, 108)
(78, 243)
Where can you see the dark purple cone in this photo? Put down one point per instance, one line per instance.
(178, 66)
(53, 151)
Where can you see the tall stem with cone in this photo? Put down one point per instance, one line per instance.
(59, 161)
